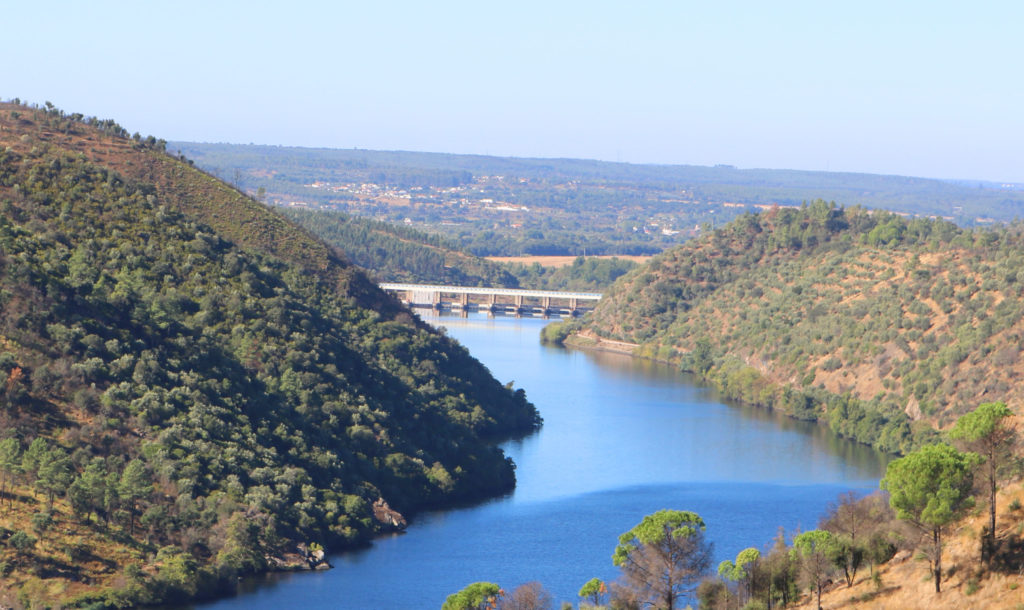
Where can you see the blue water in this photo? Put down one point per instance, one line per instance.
(621, 439)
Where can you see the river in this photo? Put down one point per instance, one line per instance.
(622, 438)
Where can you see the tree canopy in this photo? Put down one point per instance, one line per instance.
(931, 488)
(987, 431)
(814, 550)
(475, 596)
(200, 373)
(664, 556)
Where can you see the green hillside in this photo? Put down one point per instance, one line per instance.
(393, 253)
(884, 328)
(192, 385)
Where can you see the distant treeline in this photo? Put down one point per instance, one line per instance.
(396, 253)
(964, 201)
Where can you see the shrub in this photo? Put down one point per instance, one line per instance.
(972, 586)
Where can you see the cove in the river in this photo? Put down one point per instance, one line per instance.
(622, 438)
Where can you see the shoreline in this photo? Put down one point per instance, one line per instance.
(590, 341)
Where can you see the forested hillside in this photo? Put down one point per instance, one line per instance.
(884, 328)
(192, 385)
(398, 254)
(395, 253)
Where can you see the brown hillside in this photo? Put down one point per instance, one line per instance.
(907, 583)
(917, 322)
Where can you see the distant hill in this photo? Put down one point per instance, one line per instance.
(287, 169)
(885, 328)
(191, 385)
(393, 253)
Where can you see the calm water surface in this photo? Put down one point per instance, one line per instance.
(621, 439)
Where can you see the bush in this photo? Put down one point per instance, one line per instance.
(21, 541)
(42, 521)
(556, 332)
(972, 586)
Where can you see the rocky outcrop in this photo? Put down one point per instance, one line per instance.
(387, 516)
(314, 556)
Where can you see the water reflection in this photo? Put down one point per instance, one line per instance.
(637, 370)
(622, 438)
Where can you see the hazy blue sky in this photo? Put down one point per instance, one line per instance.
(916, 88)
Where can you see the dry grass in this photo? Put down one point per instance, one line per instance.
(907, 583)
(69, 559)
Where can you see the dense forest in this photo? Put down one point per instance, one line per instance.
(394, 253)
(192, 385)
(885, 328)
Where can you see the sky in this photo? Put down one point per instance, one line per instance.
(930, 89)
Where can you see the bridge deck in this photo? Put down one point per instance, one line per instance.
(511, 292)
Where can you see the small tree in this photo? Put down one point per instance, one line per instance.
(88, 492)
(814, 551)
(780, 567)
(931, 488)
(856, 522)
(987, 431)
(664, 556)
(41, 522)
(529, 596)
(742, 570)
(22, 542)
(594, 591)
(476, 596)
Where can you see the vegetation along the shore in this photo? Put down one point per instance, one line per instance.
(194, 388)
(858, 556)
(884, 328)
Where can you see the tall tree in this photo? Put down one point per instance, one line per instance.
(32, 458)
(664, 556)
(134, 486)
(814, 550)
(88, 491)
(742, 570)
(54, 474)
(593, 591)
(10, 463)
(987, 431)
(931, 488)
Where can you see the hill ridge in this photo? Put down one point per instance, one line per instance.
(201, 402)
(886, 328)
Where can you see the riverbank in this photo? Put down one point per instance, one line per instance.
(736, 378)
(730, 463)
(590, 341)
